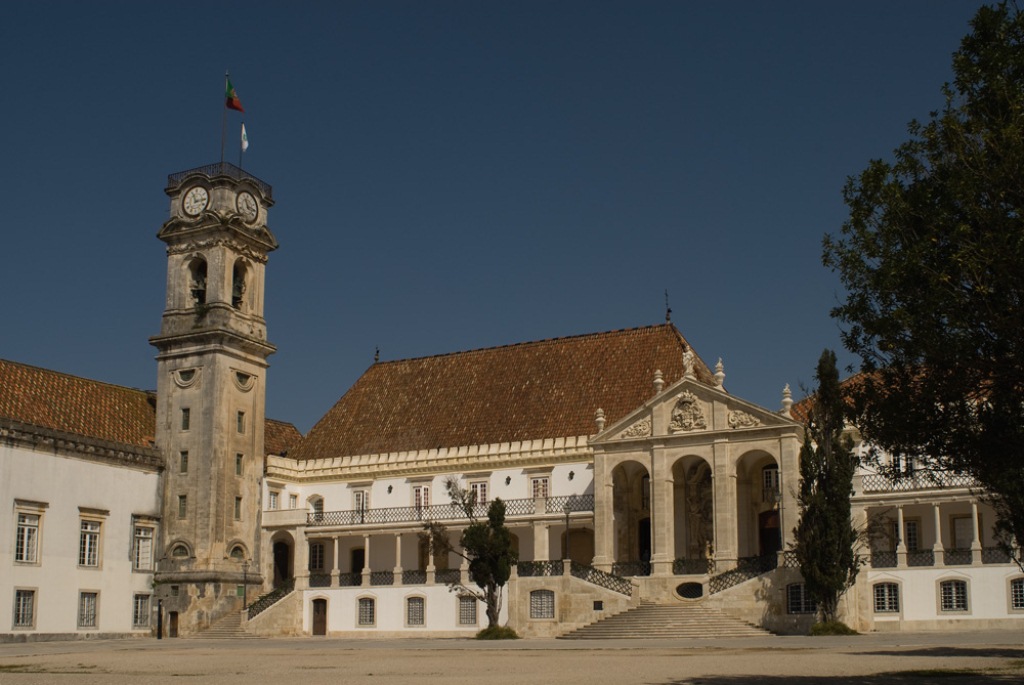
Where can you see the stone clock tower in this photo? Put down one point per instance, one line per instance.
(211, 364)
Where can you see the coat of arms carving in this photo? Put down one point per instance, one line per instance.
(688, 414)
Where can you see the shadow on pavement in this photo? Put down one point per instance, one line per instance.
(920, 677)
(1004, 652)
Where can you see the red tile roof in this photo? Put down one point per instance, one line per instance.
(545, 389)
(57, 401)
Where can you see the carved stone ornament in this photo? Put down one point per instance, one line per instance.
(741, 419)
(640, 429)
(244, 381)
(688, 414)
(237, 246)
(185, 378)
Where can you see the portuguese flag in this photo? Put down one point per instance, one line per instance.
(231, 97)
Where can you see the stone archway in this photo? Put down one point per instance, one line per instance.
(631, 506)
(694, 513)
(758, 497)
(283, 564)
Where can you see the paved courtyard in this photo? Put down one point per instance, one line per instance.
(978, 658)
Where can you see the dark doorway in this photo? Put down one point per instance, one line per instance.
(358, 560)
(319, 616)
(643, 543)
(172, 624)
(769, 529)
(282, 563)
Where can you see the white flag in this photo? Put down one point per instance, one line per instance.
(245, 139)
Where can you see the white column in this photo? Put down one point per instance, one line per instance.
(541, 544)
(366, 560)
(604, 523)
(976, 543)
(398, 559)
(901, 545)
(662, 530)
(336, 561)
(937, 549)
(726, 508)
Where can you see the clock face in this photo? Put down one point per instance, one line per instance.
(247, 206)
(195, 201)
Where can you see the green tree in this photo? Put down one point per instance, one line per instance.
(932, 259)
(487, 545)
(825, 536)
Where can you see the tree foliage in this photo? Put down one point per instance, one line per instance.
(485, 544)
(932, 259)
(825, 536)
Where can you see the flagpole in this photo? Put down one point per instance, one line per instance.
(224, 120)
(241, 146)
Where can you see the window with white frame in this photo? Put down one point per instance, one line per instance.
(89, 544)
(87, 606)
(467, 610)
(1017, 593)
(542, 604)
(367, 611)
(912, 535)
(414, 611)
(26, 542)
(24, 608)
(421, 496)
(887, 598)
(140, 611)
(540, 487)
(361, 500)
(478, 490)
(770, 483)
(798, 600)
(316, 556)
(293, 501)
(272, 503)
(953, 595)
(142, 548)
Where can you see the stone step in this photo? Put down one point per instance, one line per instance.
(227, 628)
(649, 620)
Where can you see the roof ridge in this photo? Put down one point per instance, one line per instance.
(542, 341)
(78, 378)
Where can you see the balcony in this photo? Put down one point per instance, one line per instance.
(514, 508)
(925, 480)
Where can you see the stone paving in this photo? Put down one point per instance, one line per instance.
(977, 658)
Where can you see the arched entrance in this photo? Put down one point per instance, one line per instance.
(758, 497)
(283, 546)
(693, 508)
(631, 506)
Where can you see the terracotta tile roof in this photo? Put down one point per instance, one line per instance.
(279, 437)
(76, 405)
(48, 399)
(545, 389)
(801, 410)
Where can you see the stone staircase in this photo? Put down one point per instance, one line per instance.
(226, 628)
(654, 621)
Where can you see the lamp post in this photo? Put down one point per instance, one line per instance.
(245, 585)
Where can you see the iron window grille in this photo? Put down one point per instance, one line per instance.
(414, 611)
(953, 595)
(367, 611)
(542, 604)
(887, 598)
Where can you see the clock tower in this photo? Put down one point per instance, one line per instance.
(211, 365)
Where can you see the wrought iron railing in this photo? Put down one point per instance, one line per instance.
(570, 503)
(790, 560)
(414, 577)
(382, 577)
(883, 560)
(350, 580)
(693, 567)
(922, 480)
(995, 555)
(530, 569)
(222, 169)
(264, 602)
(448, 576)
(631, 568)
(319, 579)
(435, 512)
(601, 579)
(957, 557)
(921, 557)
(746, 569)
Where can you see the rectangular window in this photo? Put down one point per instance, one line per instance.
(24, 608)
(361, 500)
(366, 611)
(87, 609)
(273, 501)
(798, 600)
(479, 492)
(142, 549)
(1017, 593)
(421, 496)
(89, 544)
(183, 462)
(770, 484)
(238, 508)
(241, 422)
(887, 598)
(26, 543)
(911, 537)
(414, 614)
(238, 464)
(963, 532)
(540, 488)
(293, 501)
(953, 595)
(316, 556)
(186, 418)
(467, 611)
(182, 506)
(140, 611)
(542, 604)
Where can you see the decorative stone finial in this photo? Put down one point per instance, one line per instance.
(688, 358)
(719, 374)
(659, 381)
(599, 419)
(787, 401)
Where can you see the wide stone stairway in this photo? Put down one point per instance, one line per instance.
(226, 628)
(652, 621)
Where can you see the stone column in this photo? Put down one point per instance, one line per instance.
(336, 561)
(901, 545)
(937, 549)
(604, 523)
(725, 508)
(662, 528)
(789, 489)
(301, 559)
(976, 528)
(541, 545)
(366, 560)
(398, 559)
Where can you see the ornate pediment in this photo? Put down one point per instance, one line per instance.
(741, 419)
(640, 429)
(688, 414)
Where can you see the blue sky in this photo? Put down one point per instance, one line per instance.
(455, 175)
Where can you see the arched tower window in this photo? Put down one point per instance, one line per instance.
(238, 284)
(197, 280)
